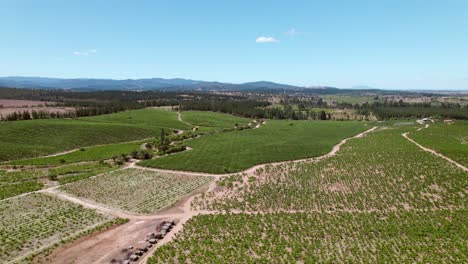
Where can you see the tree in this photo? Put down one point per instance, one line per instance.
(26, 115)
(323, 115)
(163, 135)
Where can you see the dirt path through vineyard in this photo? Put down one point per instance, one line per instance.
(115, 241)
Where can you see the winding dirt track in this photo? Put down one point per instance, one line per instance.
(179, 117)
(251, 170)
(181, 212)
(405, 135)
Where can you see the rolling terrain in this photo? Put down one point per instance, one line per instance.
(274, 141)
(273, 191)
(32, 138)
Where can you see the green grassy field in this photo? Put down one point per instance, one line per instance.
(16, 188)
(381, 199)
(382, 170)
(27, 139)
(275, 141)
(13, 183)
(212, 119)
(144, 117)
(87, 154)
(449, 140)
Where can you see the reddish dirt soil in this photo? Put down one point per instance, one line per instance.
(22, 103)
(112, 245)
(109, 246)
(7, 111)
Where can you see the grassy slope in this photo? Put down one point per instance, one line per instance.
(147, 117)
(449, 140)
(26, 139)
(381, 199)
(212, 119)
(88, 154)
(380, 171)
(13, 183)
(275, 141)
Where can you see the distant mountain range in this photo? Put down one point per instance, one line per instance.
(138, 84)
(176, 84)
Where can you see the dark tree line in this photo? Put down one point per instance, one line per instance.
(419, 112)
(254, 109)
(41, 114)
(389, 110)
(250, 105)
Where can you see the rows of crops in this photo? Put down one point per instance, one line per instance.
(393, 237)
(136, 190)
(32, 138)
(382, 171)
(274, 141)
(450, 140)
(31, 222)
(84, 154)
(143, 117)
(213, 119)
(379, 200)
(16, 182)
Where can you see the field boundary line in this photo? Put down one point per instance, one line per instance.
(76, 234)
(405, 135)
(187, 213)
(133, 164)
(252, 169)
(179, 117)
(86, 203)
(74, 150)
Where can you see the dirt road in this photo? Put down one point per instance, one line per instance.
(405, 135)
(110, 245)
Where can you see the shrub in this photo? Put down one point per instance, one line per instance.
(144, 154)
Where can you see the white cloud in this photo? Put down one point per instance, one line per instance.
(85, 52)
(292, 32)
(263, 39)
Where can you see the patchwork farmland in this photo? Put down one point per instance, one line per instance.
(234, 132)
(232, 188)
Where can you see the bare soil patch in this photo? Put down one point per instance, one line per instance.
(10, 110)
(22, 103)
(109, 246)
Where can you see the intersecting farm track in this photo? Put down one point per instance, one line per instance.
(182, 211)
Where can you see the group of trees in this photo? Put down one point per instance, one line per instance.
(41, 114)
(257, 109)
(77, 112)
(388, 110)
(293, 106)
(419, 112)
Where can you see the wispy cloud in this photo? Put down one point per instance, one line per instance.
(292, 32)
(85, 52)
(263, 39)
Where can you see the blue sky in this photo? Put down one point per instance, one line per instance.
(407, 44)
